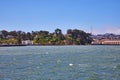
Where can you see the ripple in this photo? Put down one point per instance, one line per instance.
(58, 61)
(116, 67)
(83, 65)
(70, 64)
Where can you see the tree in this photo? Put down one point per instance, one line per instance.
(4, 33)
(19, 37)
(58, 33)
(29, 36)
(42, 38)
(79, 37)
(13, 33)
(34, 33)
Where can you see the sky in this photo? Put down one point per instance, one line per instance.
(96, 16)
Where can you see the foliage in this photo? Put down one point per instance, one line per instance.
(8, 41)
(73, 37)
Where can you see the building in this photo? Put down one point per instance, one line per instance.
(106, 42)
(114, 42)
(27, 42)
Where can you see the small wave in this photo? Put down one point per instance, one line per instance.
(116, 67)
(37, 67)
(46, 53)
(7, 79)
(70, 64)
(83, 65)
(23, 67)
(58, 61)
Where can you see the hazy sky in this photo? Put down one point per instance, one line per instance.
(102, 16)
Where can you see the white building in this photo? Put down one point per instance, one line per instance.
(27, 42)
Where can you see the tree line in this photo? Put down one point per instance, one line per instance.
(72, 37)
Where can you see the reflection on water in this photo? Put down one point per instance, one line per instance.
(60, 63)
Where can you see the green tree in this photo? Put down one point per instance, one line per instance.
(29, 36)
(4, 33)
(19, 37)
(13, 33)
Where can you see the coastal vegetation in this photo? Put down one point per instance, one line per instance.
(72, 37)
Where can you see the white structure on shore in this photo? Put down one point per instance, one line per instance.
(27, 42)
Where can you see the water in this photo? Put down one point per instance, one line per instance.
(60, 63)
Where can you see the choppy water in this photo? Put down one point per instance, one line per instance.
(60, 63)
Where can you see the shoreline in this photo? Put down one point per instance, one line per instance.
(11, 45)
(58, 45)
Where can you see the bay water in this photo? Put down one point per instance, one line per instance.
(91, 62)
